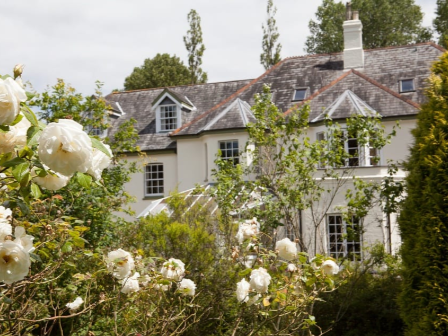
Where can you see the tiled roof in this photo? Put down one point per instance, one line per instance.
(377, 85)
(137, 104)
(346, 105)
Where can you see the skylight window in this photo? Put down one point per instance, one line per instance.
(299, 94)
(407, 85)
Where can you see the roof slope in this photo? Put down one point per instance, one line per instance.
(138, 105)
(225, 105)
(377, 84)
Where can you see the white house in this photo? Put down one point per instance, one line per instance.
(181, 128)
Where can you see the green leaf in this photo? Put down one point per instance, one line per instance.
(14, 162)
(30, 95)
(84, 180)
(67, 247)
(21, 170)
(79, 242)
(100, 146)
(17, 120)
(35, 257)
(35, 190)
(29, 114)
(4, 128)
(23, 207)
(32, 135)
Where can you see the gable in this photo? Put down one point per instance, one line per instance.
(368, 94)
(167, 101)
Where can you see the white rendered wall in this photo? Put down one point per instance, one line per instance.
(375, 223)
(136, 187)
(196, 157)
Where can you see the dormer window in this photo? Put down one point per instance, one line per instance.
(168, 108)
(299, 94)
(168, 118)
(407, 85)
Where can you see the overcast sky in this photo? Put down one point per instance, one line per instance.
(83, 41)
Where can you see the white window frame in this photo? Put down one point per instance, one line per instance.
(101, 133)
(157, 107)
(236, 159)
(151, 179)
(338, 238)
(161, 118)
(364, 157)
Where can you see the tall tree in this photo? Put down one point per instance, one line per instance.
(162, 70)
(271, 49)
(424, 218)
(385, 23)
(195, 47)
(441, 22)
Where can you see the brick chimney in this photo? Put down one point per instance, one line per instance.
(353, 52)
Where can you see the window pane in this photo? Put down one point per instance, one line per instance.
(154, 179)
(299, 94)
(230, 150)
(407, 85)
(344, 239)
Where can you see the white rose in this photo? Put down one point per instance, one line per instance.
(99, 162)
(11, 95)
(330, 267)
(260, 280)
(120, 263)
(253, 299)
(20, 131)
(187, 287)
(5, 214)
(65, 147)
(24, 240)
(242, 291)
(75, 304)
(130, 285)
(286, 249)
(248, 229)
(173, 269)
(249, 260)
(291, 268)
(53, 181)
(7, 141)
(5, 230)
(14, 262)
(16, 136)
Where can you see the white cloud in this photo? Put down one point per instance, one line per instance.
(82, 40)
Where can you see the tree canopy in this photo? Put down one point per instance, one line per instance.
(162, 70)
(195, 47)
(441, 22)
(424, 218)
(271, 48)
(385, 23)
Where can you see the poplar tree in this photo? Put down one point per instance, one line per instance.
(271, 49)
(195, 47)
(424, 218)
(441, 22)
(385, 23)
